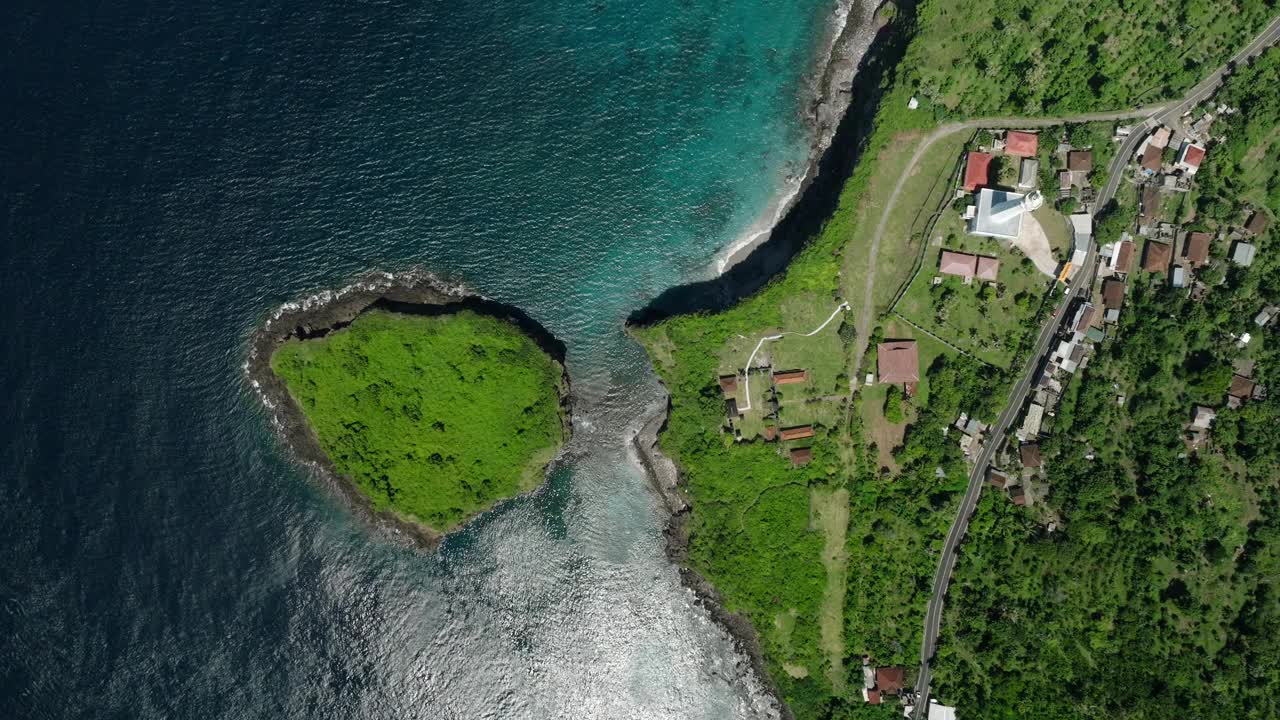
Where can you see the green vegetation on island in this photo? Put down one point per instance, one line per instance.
(830, 551)
(433, 417)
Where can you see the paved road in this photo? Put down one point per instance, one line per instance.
(946, 564)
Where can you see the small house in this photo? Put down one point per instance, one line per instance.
(1189, 157)
(1148, 206)
(977, 167)
(1242, 254)
(1021, 144)
(728, 384)
(1018, 495)
(1028, 172)
(1123, 258)
(731, 408)
(1257, 223)
(1157, 255)
(898, 363)
(988, 268)
(1196, 250)
(1203, 417)
(1241, 387)
(891, 680)
(1112, 293)
(799, 432)
(1030, 455)
(1151, 160)
(1264, 316)
(801, 456)
(997, 478)
(790, 377)
(1080, 161)
(959, 264)
(1178, 278)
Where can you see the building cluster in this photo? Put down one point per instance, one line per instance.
(731, 390)
(879, 683)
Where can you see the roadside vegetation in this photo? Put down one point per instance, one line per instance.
(764, 532)
(1156, 594)
(1064, 56)
(434, 418)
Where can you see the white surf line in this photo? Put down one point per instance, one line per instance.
(834, 313)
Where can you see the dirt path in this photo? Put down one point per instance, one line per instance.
(831, 507)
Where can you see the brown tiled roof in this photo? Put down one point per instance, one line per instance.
(954, 263)
(997, 478)
(790, 376)
(1124, 256)
(1151, 158)
(1257, 223)
(891, 680)
(1148, 205)
(1086, 317)
(1080, 160)
(728, 384)
(1112, 293)
(1018, 495)
(797, 433)
(770, 433)
(1197, 250)
(1156, 258)
(801, 456)
(1241, 387)
(1030, 454)
(988, 268)
(898, 362)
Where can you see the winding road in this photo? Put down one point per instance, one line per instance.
(1155, 117)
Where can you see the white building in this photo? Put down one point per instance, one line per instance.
(1000, 213)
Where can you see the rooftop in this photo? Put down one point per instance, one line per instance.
(999, 214)
(1243, 253)
(976, 169)
(1156, 258)
(1030, 454)
(1080, 160)
(898, 362)
(1197, 249)
(728, 384)
(1124, 256)
(1257, 223)
(790, 377)
(955, 263)
(798, 432)
(801, 456)
(1112, 293)
(1021, 144)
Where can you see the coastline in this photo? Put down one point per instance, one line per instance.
(411, 292)
(838, 132)
(849, 39)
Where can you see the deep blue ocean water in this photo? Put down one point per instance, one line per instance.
(172, 172)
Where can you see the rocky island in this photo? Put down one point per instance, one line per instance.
(424, 407)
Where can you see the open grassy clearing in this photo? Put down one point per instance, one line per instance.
(989, 320)
(831, 510)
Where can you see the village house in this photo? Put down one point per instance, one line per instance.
(1021, 144)
(997, 478)
(1257, 223)
(1203, 417)
(976, 170)
(898, 363)
(799, 432)
(1151, 163)
(1156, 257)
(1196, 250)
(790, 377)
(968, 267)
(1031, 422)
(1081, 237)
(1029, 453)
(1242, 254)
(1265, 315)
(1122, 257)
(1079, 165)
(1018, 495)
(728, 384)
(1148, 208)
(801, 456)
(1189, 158)
(1241, 389)
(1112, 298)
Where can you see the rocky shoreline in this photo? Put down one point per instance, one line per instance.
(836, 130)
(410, 292)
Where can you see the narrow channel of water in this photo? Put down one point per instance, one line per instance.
(172, 172)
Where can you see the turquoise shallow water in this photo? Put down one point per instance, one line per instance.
(171, 174)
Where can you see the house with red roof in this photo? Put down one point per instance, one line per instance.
(1021, 144)
(1189, 157)
(977, 169)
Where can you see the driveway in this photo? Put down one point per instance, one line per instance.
(1035, 244)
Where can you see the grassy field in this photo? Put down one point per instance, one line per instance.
(988, 320)
(434, 418)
